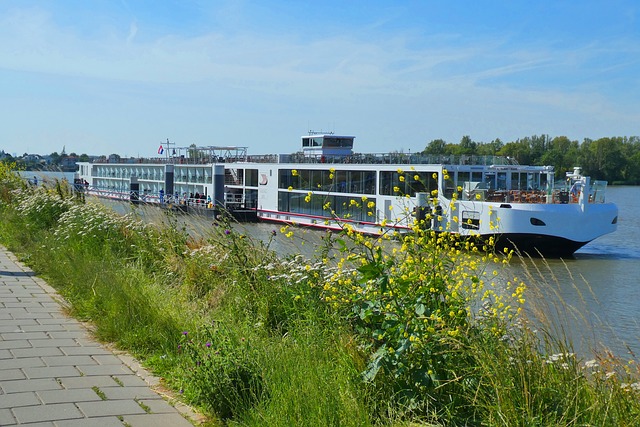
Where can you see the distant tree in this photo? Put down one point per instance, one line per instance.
(538, 145)
(196, 154)
(562, 154)
(436, 146)
(490, 149)
(632, 171)
(609, 158)
(55, 158)
(467, 146)
(192, 152)
(630, 148)
(518, 151)
(83, 158)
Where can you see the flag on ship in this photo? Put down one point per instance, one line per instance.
(161, 149)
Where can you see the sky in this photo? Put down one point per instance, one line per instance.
(107, 76)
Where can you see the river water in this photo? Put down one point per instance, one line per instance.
(595, 295)
(593, 298)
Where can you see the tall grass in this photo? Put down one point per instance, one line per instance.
(415, 331)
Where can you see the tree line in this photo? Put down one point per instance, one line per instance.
(614, 159)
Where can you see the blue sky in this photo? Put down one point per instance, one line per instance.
(107, 76)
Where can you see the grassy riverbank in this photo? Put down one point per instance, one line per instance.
(418, 333)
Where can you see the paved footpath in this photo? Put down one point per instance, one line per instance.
(52, 373)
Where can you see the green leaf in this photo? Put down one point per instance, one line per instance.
(376, 363)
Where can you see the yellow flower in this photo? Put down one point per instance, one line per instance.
(401, 178)
(332, 170)
(396, 189)
(370, 205)
(478, 196)
(434, 176)
(400, 171)
(290, 188)
(416, 177)
(364, 198)
(294, 172)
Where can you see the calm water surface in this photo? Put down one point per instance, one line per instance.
(595, 295)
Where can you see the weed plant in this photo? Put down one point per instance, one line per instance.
(396, 330)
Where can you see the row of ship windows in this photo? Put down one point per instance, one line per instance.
(327, 205)
(387, 183)
(232, 176)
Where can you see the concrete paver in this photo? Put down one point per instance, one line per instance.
(52, 373)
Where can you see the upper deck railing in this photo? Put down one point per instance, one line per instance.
(384, 158)
(356, 158)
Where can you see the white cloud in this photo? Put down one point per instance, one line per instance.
(405, 86)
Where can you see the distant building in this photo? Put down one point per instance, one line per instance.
(68, 163)
(32, 158)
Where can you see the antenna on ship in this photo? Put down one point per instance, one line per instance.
(171, 152)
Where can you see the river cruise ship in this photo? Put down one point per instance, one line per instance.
(327, 185)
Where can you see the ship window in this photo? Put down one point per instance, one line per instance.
(317, 179)
(304, 179)
(252, 177)
(390, 182)
(340, 182)
(470, 220)
(462, 177)
(536, 221)
(338, 142)
(286, 179)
